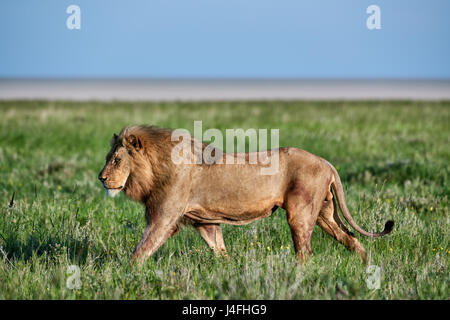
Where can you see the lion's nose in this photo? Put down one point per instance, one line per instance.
(102, 179)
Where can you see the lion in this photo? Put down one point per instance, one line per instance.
(205, 196)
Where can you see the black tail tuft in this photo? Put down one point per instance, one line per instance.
(388, 227)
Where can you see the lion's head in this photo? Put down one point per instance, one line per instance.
(138, 162)
(119, 163)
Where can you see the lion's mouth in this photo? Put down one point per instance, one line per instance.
(112, 192)
(119, 188)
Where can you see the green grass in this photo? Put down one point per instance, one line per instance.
(393, 159)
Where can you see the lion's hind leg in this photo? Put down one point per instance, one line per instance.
(212, 234)
(331, 223)
(302, 209)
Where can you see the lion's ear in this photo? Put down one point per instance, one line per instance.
(113, 140)
(135, 142)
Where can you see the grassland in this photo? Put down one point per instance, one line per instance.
(393, 158)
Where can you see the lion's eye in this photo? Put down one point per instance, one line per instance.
(116, 160)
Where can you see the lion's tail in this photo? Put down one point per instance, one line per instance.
(339, 192)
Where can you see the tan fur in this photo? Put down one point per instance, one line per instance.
(205, 195)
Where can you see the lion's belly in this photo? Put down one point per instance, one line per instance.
(203, 215)
(235, 197)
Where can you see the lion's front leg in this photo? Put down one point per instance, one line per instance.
(155, 234)
(161, 223)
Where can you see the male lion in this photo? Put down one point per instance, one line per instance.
(206, 195)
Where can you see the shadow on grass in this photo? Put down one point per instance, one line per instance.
(77, 250)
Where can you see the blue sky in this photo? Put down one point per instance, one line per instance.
(225, 38)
